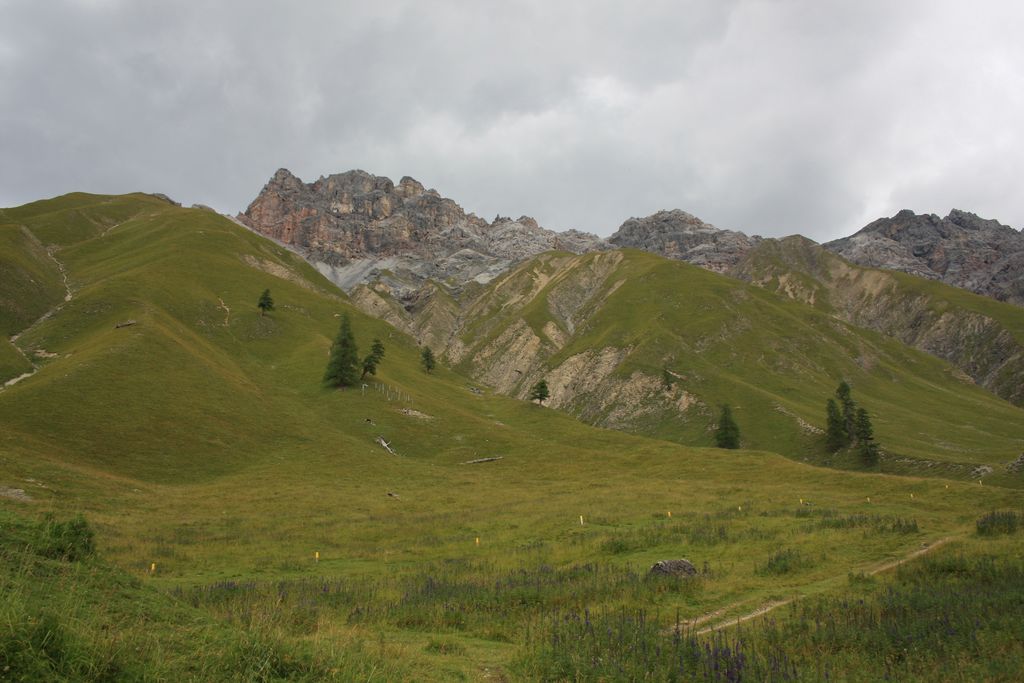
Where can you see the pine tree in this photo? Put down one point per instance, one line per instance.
(371, 362)
(427, 359)
(835, 433)
(728, 433)
(666, 379)
(265, 303)
(849, 409)
(866, 445)
(540, 392)
(342, 365)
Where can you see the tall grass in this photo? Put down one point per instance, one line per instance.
(951, 617)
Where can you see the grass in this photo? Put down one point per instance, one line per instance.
(238, 504)
(951, 617)
(775, 361)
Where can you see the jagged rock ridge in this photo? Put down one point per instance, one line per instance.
(680, 235)
(356, 226)
(962, 250)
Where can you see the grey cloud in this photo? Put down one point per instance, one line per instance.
(771, 117)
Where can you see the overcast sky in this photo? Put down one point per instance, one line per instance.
(768, 116)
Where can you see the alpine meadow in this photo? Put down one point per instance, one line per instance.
(189, 492)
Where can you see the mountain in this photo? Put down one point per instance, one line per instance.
(983, 338)
(678, 235)
(357, 227)
(963, 250)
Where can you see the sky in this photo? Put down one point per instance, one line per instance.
(772, 117)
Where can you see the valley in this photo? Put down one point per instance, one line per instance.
(249, 525)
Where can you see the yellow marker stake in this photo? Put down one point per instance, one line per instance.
(947, 486)
(801, 501)
(478, 540)
(152, 568)
(316, 555)
(581, 520)
(740, 508)
(669, 513)
(869, 499)
(911, 495)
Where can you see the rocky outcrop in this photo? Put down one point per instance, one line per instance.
(356, 227)
(679, 235)
(962, 250)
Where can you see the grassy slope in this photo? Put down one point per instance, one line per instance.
(899, 305)
(200, 439)
(30, 284)
(734, 343)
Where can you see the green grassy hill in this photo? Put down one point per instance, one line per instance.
(604, 329)
(241, 508)
(982, 337)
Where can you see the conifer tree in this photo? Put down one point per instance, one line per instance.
(266, 303)
(866, 445)
(427, 359)
(835, 432)
(540, 392)
(849, 409)
(371, 362)
(344, 359)
(728, 433)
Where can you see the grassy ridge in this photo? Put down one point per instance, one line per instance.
(776, 361)
(981, 336)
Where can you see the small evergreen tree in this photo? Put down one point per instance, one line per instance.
(540, 392)
(666, 379)
(835, 433)
(849, 409)
(866, 445)
(427, 359)
(344, 360)
(728, 433)
(266, 303)
(371, 362)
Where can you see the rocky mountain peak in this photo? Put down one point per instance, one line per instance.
(354, 225)
(962, 249)
(681, 235)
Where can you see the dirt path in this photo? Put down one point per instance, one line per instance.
(45, 316)
(768, 607)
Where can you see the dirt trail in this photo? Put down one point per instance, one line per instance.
(45, 316)
(768, 607)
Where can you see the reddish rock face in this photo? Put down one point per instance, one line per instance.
(961, 249)
(357, 215)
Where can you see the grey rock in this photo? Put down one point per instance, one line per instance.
(673, 568)
(963, 250)
(680, 235)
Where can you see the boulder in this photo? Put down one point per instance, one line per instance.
(673, 568)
